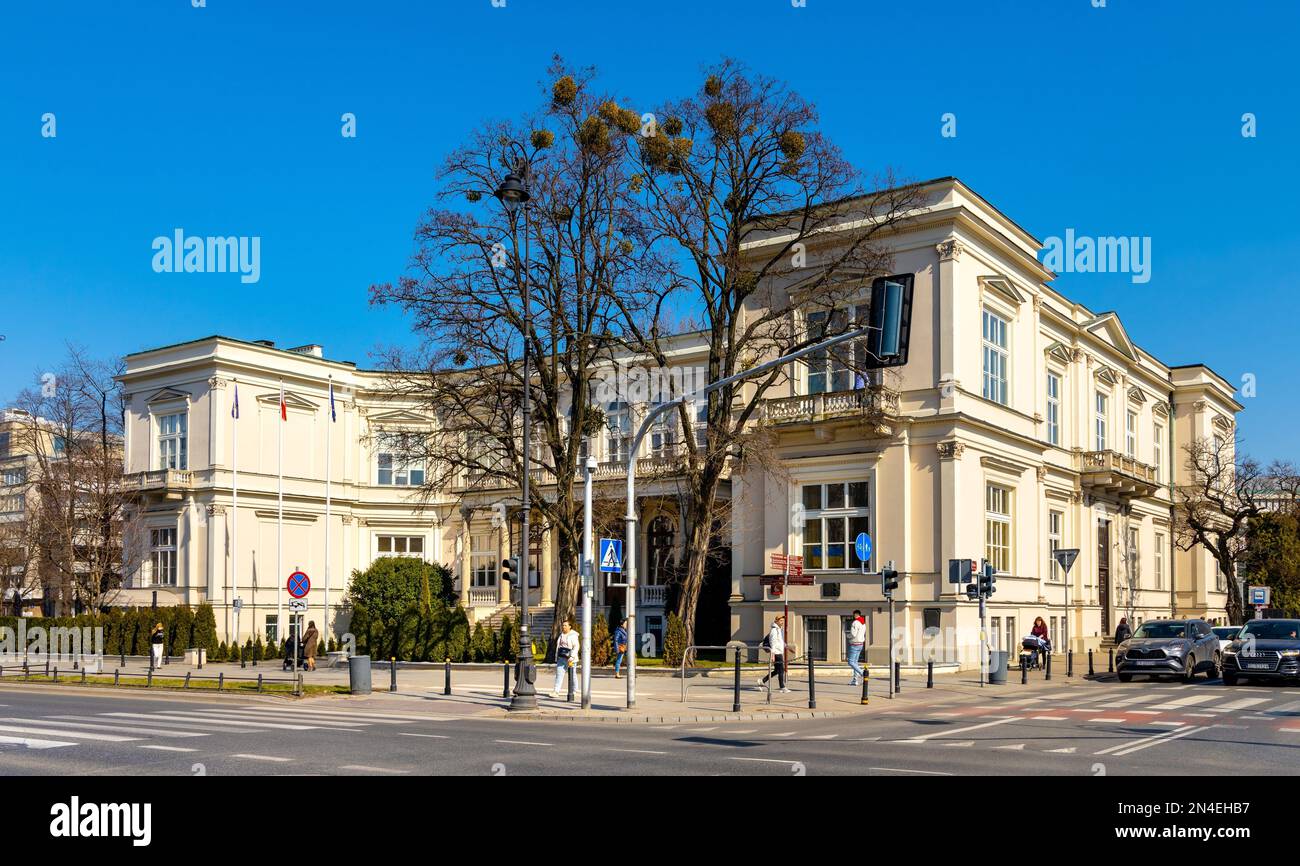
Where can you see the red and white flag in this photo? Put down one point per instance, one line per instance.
(284, 410)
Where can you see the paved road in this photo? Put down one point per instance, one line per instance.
(1080, 729)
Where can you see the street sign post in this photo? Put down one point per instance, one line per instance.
(298, 585)
(1260, 597)
(1065, 557)
(297, 605)
(862, 546)
(611, 560)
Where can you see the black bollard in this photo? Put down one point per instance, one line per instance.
(446, 677)
(199, 652)
(929, 674)
(123, 658)
(735, 693)
(148, 683)
(392, 674)
(221, 680)
(812, 683)
(866, 677)
(1110, 664)
(243, 661)
(83, 675)
(1024, 671)
(116, 673)
(1048, 668)
(259, 682)
(568, 669)
(505, 686)
(187, 680)
(1069, 663)
(898, 678)
(1090, 670)
(56, 673)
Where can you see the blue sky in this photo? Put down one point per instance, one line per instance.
(1123, 120)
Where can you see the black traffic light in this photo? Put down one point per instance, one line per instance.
(988, 577)
(972, 591)
(510, 570)
(890, 320)
(888, 581)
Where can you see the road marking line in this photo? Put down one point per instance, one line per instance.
(766, 760)
(1067, 751)
(957, 744)
(943, 715)
(1104, 720)
(821, 737)
(430, 736)
(1290, 709)
(354, 714)
(1047, 718)
(1162, 739)
(276, 758)
(902, 770)
(33, 743)
(196, 719)
(1018, 747)
(1125, 745)
(362, 768)
(785, 734)
(637, 751)
(1166, 724)
(924, 737)
(521, 743)
(237, 716)
(1143, 712)
(746, 731)
(169, 748)
(1185, 702)
(51, 732)
(122, 729)
(1241, 704)
(702, 730)
(1289, 730)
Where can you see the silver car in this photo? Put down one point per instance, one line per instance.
(1162, 647)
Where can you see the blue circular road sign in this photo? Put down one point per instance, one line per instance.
(299, 584)
(862, 546)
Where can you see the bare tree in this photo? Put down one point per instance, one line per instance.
(1224, 491)
(465, 293)
(742, 191)
(19, 575)
(81, 522)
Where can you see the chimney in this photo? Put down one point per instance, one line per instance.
(315, 350)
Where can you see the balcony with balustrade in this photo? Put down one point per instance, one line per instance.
(866, 404)
(171, 483)
(1110, 473)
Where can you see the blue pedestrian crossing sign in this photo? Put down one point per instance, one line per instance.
(862, 546)
(611, 555)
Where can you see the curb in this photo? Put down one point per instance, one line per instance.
(651, 719)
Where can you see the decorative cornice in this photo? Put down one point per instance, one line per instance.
(1042, 473)
(214, 510)
(949, 250)
(1038, 303)
(950, 450)
(1076, 354)
(217, 383)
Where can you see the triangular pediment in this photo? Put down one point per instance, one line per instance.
(1003, 288)
(398, 416)
(291, 400)
(1137, 395)
(1107, 374)
(1058, 351)
(167, 395)
(1108, 328)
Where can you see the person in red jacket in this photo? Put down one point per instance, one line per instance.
(1040, 631)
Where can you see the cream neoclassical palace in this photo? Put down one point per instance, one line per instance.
(1023, 422)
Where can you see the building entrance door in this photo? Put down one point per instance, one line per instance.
(1103, 573)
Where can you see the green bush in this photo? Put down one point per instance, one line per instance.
(252, 651)
(600, 641)
(220, 654)
(674, 641)
(258, 650)
(204, 633)
(507, 640)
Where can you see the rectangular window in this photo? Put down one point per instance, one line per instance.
(839, 368)
(395, 465)
(400, 545)
(13, 477)
(1158, 451)
(1133, 556)
(162, 543)
(830, 590)
(654, 625)
(997, 526)
(4, 444)
(1055, 525)
(1012, 638)
(1054, 408)
(173, 441)
(618, 421)
(834, 515)
(815, 630)
(995, 357)
(663, 434)
(483, 553)
(1130, 433)
(1099, 418)
(995, 632)
(273, 629)
(702, 423)
(1160, 560)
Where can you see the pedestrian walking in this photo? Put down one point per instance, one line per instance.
(566, 656)
(1044, 639)
(156, 639)
(1122, 631)
(857, 639)
(309, 641)
(775, 644)
(620, 646)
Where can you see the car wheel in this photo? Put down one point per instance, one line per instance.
(1229, 679)
(1125, 678)
(1189, 669)
(1215, 666)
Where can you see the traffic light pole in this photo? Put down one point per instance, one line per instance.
(890, 672)
(588, 581)
(983, 641)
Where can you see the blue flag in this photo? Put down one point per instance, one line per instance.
(234, 409)
(332, 416)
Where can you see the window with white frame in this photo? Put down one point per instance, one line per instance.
(400, 545)
(997, 526)
(618, 423)
(1160, 560)
(838, 368)
(273, 629)
(702, 423)
(13, 477)
(1134, 555)
(834, 515)
(173, 441)
(4, 444)
(663, 433)
(162, 556)
(1100, 413)
(1130, 433)
(1055, 533)
(1158, 451)
(1054, 408)
(395, 465)
(995, 633)
(483, 563)
(995, 357)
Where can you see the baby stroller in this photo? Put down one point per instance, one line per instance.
(288, 655)
(1032, 650)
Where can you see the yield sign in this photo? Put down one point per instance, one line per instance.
(1065, 557)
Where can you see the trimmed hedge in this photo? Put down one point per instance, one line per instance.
(126, 630)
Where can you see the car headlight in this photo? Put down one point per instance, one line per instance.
(1230, 651)
(1290, 653)
(1177, 649)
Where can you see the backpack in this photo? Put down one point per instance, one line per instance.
(767, 642)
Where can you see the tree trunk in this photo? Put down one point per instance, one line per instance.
(699, 518)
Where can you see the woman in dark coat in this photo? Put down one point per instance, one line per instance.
(1122, 631)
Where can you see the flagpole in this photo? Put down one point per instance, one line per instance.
(234, 513)
(280, 631)
(329, 432)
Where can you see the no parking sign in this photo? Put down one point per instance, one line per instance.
(299, 584)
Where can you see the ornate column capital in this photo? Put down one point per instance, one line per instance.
(949, 250)
(950, 450)
(217, 382)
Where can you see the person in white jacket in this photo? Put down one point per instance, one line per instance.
(776, 646)
(857, 639)
(566, 655)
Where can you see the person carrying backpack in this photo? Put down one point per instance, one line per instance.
(775, 644)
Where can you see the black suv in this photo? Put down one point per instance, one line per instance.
(1266, 649)
(1169, 646)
